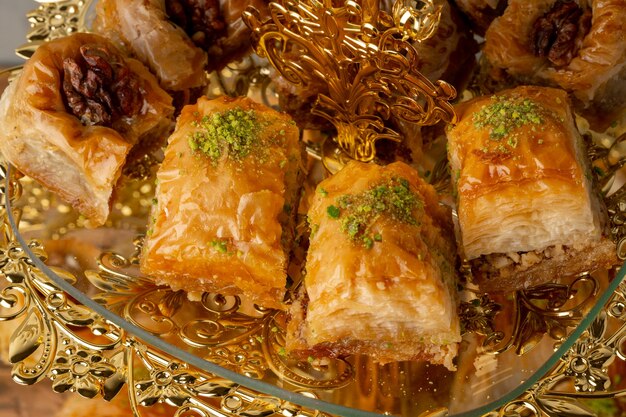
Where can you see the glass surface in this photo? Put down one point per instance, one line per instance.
(187, 331)
(483, 380)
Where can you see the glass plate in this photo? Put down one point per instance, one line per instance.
(79, 313)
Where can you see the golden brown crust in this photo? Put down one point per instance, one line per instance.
(43, 140)
(527, 193)
(531, 158)
(239, 204)
(143, 28)
(409, 270)
(597, 71)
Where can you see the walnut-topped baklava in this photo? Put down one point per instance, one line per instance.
(73, 115)
(578, 46)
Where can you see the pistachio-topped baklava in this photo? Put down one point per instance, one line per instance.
(380, 277)
(527, 210)
(225, 202)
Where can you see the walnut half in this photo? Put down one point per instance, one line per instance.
(98, 87)
(558, 34)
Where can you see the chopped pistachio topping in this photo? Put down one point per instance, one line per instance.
(358, 212)
(233, 131)
(506, 114)
(333, 211)
(220, 245)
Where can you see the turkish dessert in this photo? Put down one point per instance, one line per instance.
(481, 12)
(74, 114)
(527, 210)
(172, 51)
(178, 39)
(575, 45)
(380, 276)
(225, 202)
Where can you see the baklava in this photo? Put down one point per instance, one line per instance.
(481, 12)
(380, 271)
(578, 46)
(72, 116)
(145, 28)
(226, 199)
(527, 209)
(178, 39)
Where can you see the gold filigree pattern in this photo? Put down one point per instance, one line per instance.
(215, 327)
(477, 316)
(585, 366)
(364, 58)
(543, 310)
(51, 20)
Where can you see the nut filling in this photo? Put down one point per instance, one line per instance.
(200, 19)
(99, 88)
(559, 33)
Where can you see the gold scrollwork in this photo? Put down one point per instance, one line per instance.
(216, 326)
(585, 366)
(51, 20)
(362, 55)
(543, 310)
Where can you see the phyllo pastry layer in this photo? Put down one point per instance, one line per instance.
(225, 202)
(527, 210)
(146, 29)
(74, 113)
(380, 277)
(575, 45)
